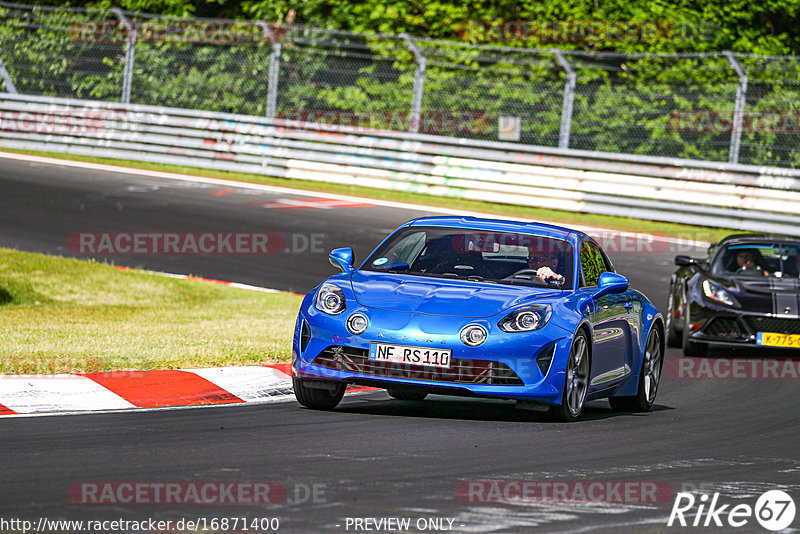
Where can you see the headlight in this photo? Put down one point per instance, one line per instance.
(526, 319)
(330, 299)
(357, 323)
(716, 292)
(473, 335)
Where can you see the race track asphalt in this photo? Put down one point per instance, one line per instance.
(373, 457)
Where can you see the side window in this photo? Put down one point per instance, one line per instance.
(593, 264)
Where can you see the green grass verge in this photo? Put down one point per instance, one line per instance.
(541, 214)
(62, 315)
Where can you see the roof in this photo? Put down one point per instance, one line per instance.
(752, 238)
(497, 225)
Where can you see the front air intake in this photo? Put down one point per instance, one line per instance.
(545, 358)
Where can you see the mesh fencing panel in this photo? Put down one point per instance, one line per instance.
(495, 83)
(46, 52)
(771, 126)
(646, 104)
(673, 105)
(339, 78)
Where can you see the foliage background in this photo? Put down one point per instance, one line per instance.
(625, 99)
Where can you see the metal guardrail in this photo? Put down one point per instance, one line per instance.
(671, 190)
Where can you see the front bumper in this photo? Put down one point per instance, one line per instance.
(504, 366)
(719, 325)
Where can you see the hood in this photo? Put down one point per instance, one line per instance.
(767, 286)
(441, 296)
(769, 295)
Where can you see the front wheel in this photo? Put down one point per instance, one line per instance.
(649, 377)
(318, 398)
(673, 336)
(576, 381)
(691, 348)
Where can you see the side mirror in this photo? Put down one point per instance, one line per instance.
(611, 283)
(683, 261)
(342, 258)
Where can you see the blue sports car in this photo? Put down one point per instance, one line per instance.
(478, 307)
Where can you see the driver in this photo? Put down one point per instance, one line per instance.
(545, 266)
(747, 262)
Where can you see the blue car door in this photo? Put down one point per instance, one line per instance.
(611, 317)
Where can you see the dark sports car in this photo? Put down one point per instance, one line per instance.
(745, 293)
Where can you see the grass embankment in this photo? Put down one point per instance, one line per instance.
(62, 315)
(566, 218)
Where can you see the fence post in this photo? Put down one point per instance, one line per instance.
(738, 110)
(6, 77)
(419, 83)
(274, 69)
(569, 98)
(130, 48)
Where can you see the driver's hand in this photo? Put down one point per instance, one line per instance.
(546, 273)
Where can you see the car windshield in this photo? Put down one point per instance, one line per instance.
(477, 255)
(759, 260)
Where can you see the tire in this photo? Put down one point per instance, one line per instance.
(315, 398)
(649, 378)
(576, 381)
(406, 394)
(673, 336)
(691, 349)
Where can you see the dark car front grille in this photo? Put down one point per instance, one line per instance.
(773, 324)
(724, 327)
(460, 371)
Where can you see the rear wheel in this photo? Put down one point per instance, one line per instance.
(406, 394)
(576, 381)
(691, 348)
(673, 336)
(316, 397)
(649, 378)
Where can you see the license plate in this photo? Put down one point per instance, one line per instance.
(426, 356)
(773, 339)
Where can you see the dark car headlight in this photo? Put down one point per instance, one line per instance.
(716, 292)
(330, 299)
(526, 319)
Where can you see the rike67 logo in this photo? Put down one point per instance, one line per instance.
(774, 510)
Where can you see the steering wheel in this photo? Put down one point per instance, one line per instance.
(527, 272)
(750, 268)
